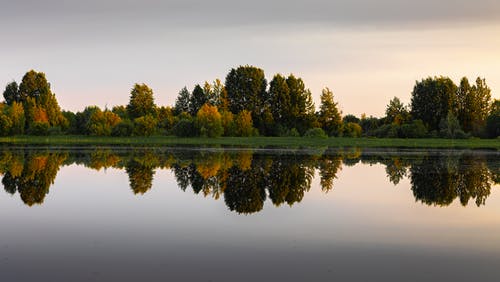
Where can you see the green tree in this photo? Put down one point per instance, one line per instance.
(244, 124)
(279, 100)
(473, 105)
(302, 112)
(16, 114)
(450, 127)
(101, 123)
(209, 121)
(182, 101)
(11, 93)
(198, 99)
(246, 90)
(40, 104)
(329, 116)
(141, 101)
(396, 112)
(493, 120)
(432, 99)
(145, 125)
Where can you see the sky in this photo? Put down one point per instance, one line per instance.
(366, 52)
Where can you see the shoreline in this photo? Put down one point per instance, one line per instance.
(251, 142)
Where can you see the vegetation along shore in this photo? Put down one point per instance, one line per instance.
(246, 105)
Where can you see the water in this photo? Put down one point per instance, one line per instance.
(168, 214)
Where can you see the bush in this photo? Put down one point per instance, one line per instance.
(39, 128)
(123, 129)
(493, 125)
(352, 129)
(387, 131)
(293, 133)
(145, 125)
(209, 122)
(315, 133)
(244, 124)
(416, 129)
(185, 128)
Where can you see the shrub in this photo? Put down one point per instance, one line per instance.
(123, 129)
(416, 129)
(315, 133)
(39, 128)
(352, 129)
(145, 125)
(185, 128)
(244, 124)
(209, 121)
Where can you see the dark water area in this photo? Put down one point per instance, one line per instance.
(173, 214)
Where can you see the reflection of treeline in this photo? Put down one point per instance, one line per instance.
(245, 179)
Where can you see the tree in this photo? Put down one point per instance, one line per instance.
(145, 125)
(141, 101)
(329, 115)
(182, 101)
(473, 105)
(209, 122)
(493, 120)
(450, 127)
(302, 110)
(198, 99)
(37, 98)
(244, 124)
(11, 93)
(16, 114)
(279, 100)
(432, 99)
(101, 123)
(246, 90)
(396, 112)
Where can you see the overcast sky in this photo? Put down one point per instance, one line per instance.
(366, 51)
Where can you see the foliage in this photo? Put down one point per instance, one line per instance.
(227, 121)
(185, 128)
(246, 90)
(197, 100)
(39, 128)
(493, 121)
(450, 127)
(396, 112)
(209, 121)
(123, 129)
(182, 101)
(432, 100)
(141, 101)
(11, 93)
(473, 105)
(145, 125)
(244, 124)
(329, 115)
(315, 133)
(101, 123)
(415, 129)
(352, 129)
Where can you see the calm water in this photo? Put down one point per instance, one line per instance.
(249, 215)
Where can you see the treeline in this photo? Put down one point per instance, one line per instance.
(247, 105)
(246, 179)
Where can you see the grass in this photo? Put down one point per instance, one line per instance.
(285, 142)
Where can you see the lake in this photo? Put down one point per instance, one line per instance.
(229, 214)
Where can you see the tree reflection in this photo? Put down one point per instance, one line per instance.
(245, 179)
(439, 180)
(30, 174)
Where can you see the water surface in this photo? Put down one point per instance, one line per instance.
(168, 214)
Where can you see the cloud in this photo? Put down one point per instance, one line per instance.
(189, 13)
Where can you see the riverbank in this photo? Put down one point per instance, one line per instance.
(253, 142)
